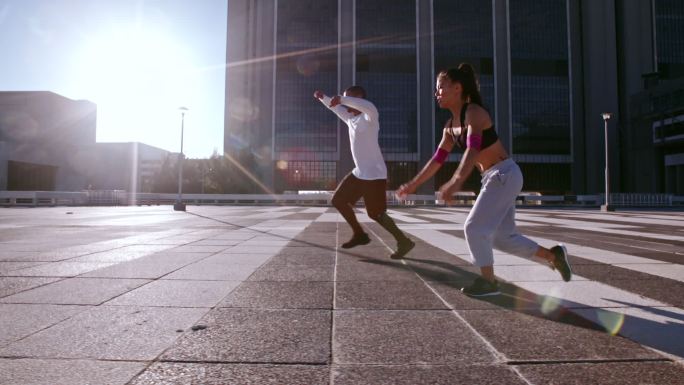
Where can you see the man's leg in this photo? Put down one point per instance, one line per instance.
(347, 194)
(376, 207)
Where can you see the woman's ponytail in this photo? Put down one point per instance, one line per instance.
(465, 74)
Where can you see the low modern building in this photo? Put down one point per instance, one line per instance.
(47, 142)
(41, 137)
(128, 166)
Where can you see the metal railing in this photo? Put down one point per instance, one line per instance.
(465, 198)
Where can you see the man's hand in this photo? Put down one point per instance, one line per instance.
(448, 190)
(318, 94)
(335, 101)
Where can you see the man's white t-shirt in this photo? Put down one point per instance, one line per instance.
(363, 136)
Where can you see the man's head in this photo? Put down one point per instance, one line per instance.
(355, 92)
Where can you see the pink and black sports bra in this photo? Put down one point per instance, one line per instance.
(489, 135)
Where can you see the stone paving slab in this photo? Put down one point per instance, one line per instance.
(250, 259)
(280, 272)
(6, 268)
(397, 295)
(21, 320)
(610, 373)
(290, 257)
(13, 285)
(209, 271)
(71, 372)
(61, 269)
(405, 337)
(281, 295)
(149, 267)
(257, 336)
(222, 374)
(425, 374)
(374, 270)
(172, 293)
(522, 337)
(77, 291)
(108, 333)
(122, 254)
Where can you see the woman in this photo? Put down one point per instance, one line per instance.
(491, 222)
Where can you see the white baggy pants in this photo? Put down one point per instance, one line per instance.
(491, 222)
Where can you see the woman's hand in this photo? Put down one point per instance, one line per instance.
(448, 190)
(318, 94)
(404, 190)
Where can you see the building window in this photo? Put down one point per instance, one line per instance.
(386, 68)
(399, 173)
(307, 61)
(539, 77)
(301, 175)
(669, 20)
(463, 33)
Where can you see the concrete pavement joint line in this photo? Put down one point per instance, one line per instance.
(498, 356)
(587, 361)
(70, 359)
(334, 303)
(243, 362)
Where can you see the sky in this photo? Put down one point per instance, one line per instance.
(138, 60)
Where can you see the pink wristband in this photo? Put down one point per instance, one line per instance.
(440, 156)
(474, 141)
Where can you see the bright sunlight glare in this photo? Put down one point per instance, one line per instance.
(138, 79)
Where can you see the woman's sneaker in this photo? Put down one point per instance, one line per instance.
(481, 288)
(561, 263)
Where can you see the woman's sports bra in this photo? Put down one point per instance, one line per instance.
(489, 135)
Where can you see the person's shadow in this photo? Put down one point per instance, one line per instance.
(666, 336)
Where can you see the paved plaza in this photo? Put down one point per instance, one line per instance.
(263, 295)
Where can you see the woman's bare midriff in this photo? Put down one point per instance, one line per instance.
(491, 156)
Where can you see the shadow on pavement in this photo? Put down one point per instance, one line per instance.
(663, 336)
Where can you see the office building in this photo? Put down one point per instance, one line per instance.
(548, 69)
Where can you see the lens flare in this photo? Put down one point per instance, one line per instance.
(244, 110)
(551, 302)
(611, 321)
(308, 65)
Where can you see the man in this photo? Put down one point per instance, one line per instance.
(369, 177)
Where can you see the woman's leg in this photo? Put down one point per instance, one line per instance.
(508, 239)
(493, 204)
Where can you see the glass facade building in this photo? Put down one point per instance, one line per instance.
(305, 134)
(542, 79)
(669, 25)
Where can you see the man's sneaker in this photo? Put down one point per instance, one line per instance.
(481, 288)
(561, 263)
(403, 247)
(356, 240)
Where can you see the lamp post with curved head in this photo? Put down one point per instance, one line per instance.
(179, 205)
(607, 207)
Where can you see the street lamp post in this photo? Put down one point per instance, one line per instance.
(179, 205)
(607, 206)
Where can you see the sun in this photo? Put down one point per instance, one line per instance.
(138, 79)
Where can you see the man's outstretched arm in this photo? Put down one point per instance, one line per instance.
(340, 111)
